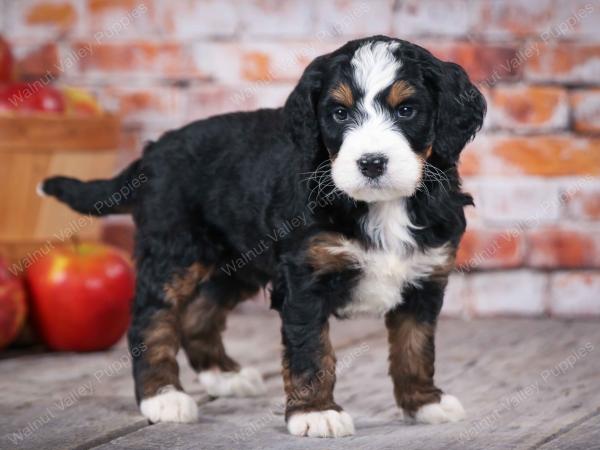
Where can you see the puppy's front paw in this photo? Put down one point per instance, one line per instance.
(247, 382)
(329, 423)
(448, 409)
(170, 405)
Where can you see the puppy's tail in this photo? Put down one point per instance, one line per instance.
(98, 197)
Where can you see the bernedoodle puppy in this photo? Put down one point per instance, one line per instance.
(347, 199)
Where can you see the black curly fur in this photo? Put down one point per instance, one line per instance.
(221, 189)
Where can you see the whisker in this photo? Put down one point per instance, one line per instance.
(320, 171)
(435, 174)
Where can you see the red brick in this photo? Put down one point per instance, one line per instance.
(62, 15)
(575, 294)
(257, 61)
(488, 63)
(256, 66)
(585, 104)
(356, 18)
(210, 99)
(276, 18)
(102, 6)
(451, 17)
(542, 20)
(549, 155)
(582, 201)
(566, 63)
(149, 59)
(489, 249)
(514, 18)
(564, 247)
(544, 155)
(469, 161)
(143, 105)
(117, 19)
(42, 19)
(191, 19)
(38, 61)
(529, 108)
(522, 293)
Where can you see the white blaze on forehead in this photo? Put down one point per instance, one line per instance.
(375, 68)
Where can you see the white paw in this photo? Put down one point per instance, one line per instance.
(39, 190)
(448, 409)
(170, 405)
(328, 423)
(247, 382)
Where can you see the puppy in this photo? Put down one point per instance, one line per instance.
(347, 200)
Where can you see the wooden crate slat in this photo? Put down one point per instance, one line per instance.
(49, 133)
(33, 148)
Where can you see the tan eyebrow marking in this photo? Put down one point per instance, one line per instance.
(343, 94)
(399, 92)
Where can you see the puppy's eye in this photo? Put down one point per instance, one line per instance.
(340, 115)
(406, 112)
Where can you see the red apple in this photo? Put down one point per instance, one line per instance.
(31, 97)
(6, 62)
(13, 306)
(81, 296)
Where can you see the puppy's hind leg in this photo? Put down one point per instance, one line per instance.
(154, 339)
(203, 321)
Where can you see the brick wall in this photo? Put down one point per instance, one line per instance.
(533, 244)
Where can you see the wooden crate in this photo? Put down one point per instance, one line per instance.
(33, 148)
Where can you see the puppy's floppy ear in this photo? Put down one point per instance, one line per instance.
(460, 113)
(301, 107)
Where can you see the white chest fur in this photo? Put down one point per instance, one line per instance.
(394, 262)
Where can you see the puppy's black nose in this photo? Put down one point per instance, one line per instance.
(372, 165)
